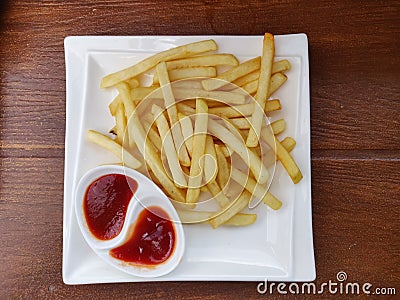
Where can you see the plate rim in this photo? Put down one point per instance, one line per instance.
(73, 45)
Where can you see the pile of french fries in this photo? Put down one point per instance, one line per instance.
(201, 128)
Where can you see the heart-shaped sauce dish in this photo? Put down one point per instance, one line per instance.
(128, 221)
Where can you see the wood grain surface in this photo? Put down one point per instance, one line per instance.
(355, 125)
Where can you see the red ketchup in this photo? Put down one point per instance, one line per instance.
(152, 241)
(105, 204)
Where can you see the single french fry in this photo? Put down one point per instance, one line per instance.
(234, 189)
(233, 142)
(223, 168)
(225, 150)
(150, 62)
(169, 101)
(267, 60)
(211, 167)
(193, 217)
(247, 78)
(218, 195)
(199, 145)
(133, 83)
(240, 123)
(255, 189)
(210, 60)
(232, 74)
(210, 103)
(114, 104)
(153, 135)
(241, 219)
(188, 84)
(115, 148)
(270, 158)
(123, 89)
(251, 87)
(203, 189)
(276, 82)
(120, 124)
(283, 155)
(154, 162)
(221, 96)
(236, 111)
(231, 210)
(278, 126)
(192, 72)
(280, 66)
(139, 94)
(187, 132)
(288, 143)
(185, 109)
(169, 147)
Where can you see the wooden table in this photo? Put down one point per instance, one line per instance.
(355, 107)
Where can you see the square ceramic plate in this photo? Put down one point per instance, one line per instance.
(277, 247)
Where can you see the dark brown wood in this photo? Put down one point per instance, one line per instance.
(355, 108)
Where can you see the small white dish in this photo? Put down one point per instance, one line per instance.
(147, 195)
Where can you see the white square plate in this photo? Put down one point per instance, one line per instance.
(277, 247)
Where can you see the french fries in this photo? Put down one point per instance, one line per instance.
(275, 83)
(136, 131)
(243, 110)
(252, 161)
(168, 143)
(278, 126)
(196, 135)
(169, 101)
(232, 74)
(254, 188)
(278, 67)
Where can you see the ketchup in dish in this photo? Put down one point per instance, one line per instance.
(105, 204)
(152, 241)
